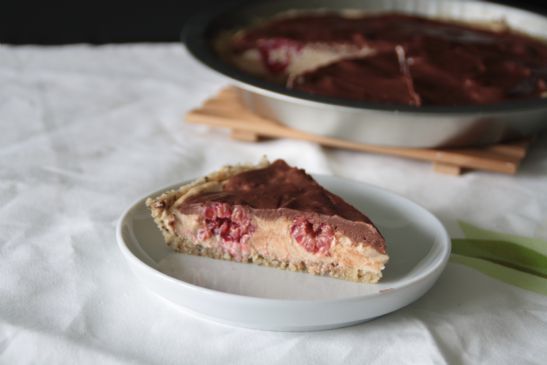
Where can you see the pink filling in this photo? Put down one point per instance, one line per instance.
(231, 224)
(283, 48)
(316, 238)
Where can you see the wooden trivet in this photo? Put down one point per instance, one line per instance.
(225, 110)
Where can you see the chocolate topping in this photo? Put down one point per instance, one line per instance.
(376, 78)
(281, 190)
(438, 63)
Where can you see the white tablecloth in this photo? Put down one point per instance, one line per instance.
(87, 130)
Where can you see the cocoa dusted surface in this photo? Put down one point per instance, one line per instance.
(438, 63)
(376, 78)
(280, 186)
(282, 190)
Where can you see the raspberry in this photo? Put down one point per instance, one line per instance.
(316, 238)
(276, 53)
(231, 224)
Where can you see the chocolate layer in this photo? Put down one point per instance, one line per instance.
(438, 63)
(375, 78)
(281, 190)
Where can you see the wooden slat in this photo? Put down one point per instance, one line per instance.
(226, 111)
(243, 135)
(515, 149)
(448, 169)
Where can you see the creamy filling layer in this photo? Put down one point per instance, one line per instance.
(283, 239)
(286, 60)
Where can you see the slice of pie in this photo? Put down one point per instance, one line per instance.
(273, 215)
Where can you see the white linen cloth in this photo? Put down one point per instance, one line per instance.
(86, 130)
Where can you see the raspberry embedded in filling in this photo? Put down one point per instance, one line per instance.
(232, 225)
(276, 53)
(316, 238)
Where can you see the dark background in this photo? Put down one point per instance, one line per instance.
(62, 22)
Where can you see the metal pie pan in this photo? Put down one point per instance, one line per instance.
(368, 122)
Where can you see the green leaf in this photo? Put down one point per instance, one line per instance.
(503, 253)
(536, 244)
(514, 277)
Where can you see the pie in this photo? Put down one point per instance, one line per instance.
(271, 214)
(390, 57)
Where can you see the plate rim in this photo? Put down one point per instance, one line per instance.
(438, 263)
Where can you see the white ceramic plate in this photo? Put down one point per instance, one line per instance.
(271, 299)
